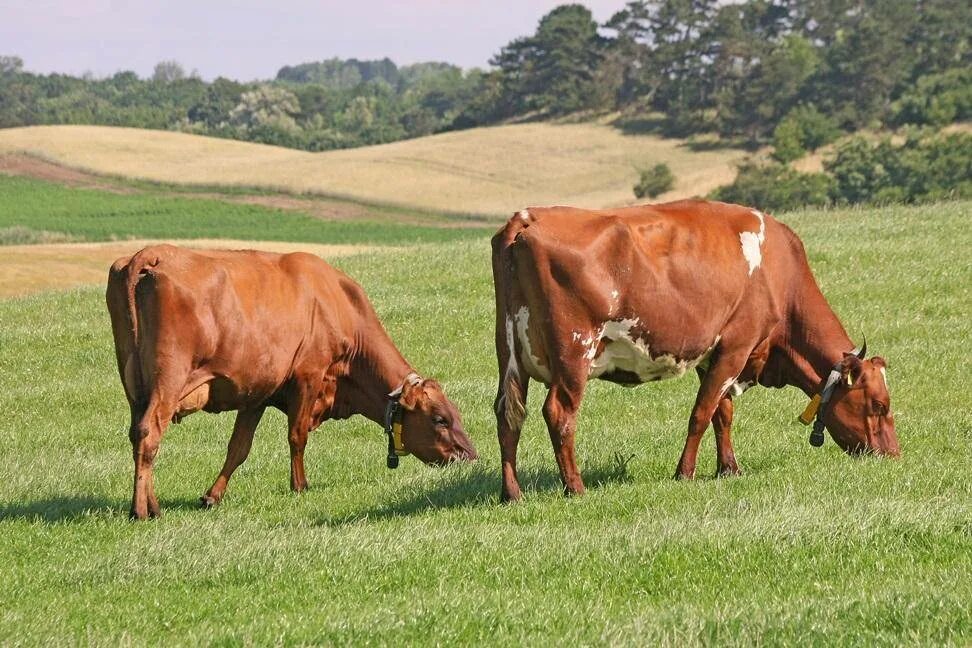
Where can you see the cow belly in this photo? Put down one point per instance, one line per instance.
(622, 360)
(620, 356)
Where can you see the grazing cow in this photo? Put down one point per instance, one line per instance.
(645, 293)
(243, 330)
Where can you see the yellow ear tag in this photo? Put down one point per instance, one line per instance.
(850, 381)
(397, 438)
(811, 411)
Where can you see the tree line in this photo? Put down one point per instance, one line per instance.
(793, 72)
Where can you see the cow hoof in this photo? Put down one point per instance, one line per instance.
(207, 502)
(680, 476)
(510, 496)
(729, 471)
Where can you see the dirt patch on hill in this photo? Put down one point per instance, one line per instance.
(28, 269)
(28, 166)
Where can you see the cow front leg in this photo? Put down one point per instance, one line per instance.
(236, 454)
(560, 412)
(722, 423)
(711, 392)
(299, 420)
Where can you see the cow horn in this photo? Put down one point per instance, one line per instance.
(863, 351)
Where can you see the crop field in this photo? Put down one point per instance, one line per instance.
(482, 171)
(808, 547)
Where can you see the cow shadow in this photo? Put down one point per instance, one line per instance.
(73, 508)
(476, 487)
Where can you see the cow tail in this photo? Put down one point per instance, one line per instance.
(137, 268)
(511, 396)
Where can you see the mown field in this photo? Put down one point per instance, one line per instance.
(809, 547)
(481, 171)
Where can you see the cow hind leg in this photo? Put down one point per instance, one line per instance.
(236, 453)
(560, 412)
(146, 437)
(510, 406)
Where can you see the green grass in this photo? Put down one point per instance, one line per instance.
(94, 215)
(809, 547)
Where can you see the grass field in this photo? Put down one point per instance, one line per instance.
(483, 171)
(809, 547)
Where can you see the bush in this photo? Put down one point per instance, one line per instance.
(920, 170)
(803, 129)
(775, 187)
(936, 99)
(654, 181)
(788, 141)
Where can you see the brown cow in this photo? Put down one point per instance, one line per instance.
(243, 330)
(645, 293)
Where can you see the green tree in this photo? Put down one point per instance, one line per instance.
(168, 71)
(10, 65)
(267, 107)
(553, 71)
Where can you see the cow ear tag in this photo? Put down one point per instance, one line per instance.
(811, 411)
(850, 381)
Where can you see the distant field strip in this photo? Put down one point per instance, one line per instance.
(491, 170)
(35, 211)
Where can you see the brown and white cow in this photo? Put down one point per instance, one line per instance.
(243, 330)
(645, 293)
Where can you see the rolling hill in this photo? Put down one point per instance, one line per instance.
(491, 170)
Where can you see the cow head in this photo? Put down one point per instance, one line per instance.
(858, 414)
(431, 428)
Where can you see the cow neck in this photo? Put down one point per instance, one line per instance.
(377, 369)
(817, 340)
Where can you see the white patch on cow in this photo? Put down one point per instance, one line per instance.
(530, 362)
(524, 215)
(614, 294)
(511, 366)
(752, 243)
(735, 387)
(884, 374)
(624, 351)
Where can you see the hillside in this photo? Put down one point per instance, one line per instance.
(485, 170)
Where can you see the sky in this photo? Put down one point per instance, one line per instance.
(251, 39)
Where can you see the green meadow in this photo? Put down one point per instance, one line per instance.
(808, 547)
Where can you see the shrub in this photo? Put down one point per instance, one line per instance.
(654, 181)
(788, 141)
(936, 99)
(803, 129)
(920, 170)
(775, 187)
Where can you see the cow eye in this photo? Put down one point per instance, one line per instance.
(438, 421)
(879, 408)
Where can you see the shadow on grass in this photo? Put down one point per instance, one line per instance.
(478, 487)
(66, 508)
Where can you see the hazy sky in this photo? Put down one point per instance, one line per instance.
(251, 39)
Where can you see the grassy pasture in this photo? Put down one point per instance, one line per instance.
(484, 170)
(809, 547)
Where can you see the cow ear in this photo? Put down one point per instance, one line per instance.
(850, 369)
(412, 394)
